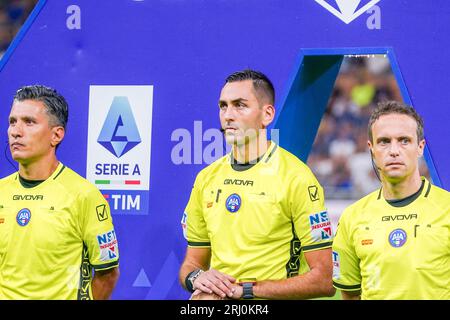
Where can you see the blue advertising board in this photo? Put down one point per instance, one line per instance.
(142, 79)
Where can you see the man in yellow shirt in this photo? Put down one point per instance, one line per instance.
(395, 242)
(256, 224)
(55, 226)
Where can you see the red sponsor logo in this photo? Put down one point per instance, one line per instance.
(108, 245)
(321, 225)
(366, 242)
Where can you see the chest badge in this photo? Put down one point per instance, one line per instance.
(233, 202)
(23, 217)
(397, 238)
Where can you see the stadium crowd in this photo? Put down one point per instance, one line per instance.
(340, 157)
(13, 14)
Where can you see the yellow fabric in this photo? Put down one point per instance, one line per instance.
(370, 250)
(278, 195)
(44, 233)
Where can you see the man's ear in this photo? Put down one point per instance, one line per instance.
(369, 144)
(268, 114)
(421, 147)
(58, 133)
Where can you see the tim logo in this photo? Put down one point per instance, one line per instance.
(119, 133)
(347, 10)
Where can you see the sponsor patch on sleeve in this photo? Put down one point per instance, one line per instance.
(184, 224)
(107, 243)
(336, 266)
(320, 226)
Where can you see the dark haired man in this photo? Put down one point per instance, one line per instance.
(256, 222)
(54, 225)
(395, 242)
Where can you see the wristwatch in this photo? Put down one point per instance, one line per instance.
(247, 288)
(191, 278)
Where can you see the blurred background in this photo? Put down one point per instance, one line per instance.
(13, 14)
(340, 156)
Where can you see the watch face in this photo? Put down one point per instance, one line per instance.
(195, 275)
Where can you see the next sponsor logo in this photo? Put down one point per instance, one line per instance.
(107, 243)
(320, 226)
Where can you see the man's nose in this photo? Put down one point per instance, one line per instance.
(228, 113)
(394, 149)
(15, 130)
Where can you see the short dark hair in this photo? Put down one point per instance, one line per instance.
(55, 104)
(261, 83)
(390, 107)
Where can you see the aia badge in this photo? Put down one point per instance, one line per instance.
(320, 226)
(397, 238)
(233, 203)
(23, 217)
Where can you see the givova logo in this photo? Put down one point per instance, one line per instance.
(119, 133)
(347, 10)
(119, 145)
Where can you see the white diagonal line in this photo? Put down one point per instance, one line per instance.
(330, 8)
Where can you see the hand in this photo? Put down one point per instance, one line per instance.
(214, 282)
(237, 290)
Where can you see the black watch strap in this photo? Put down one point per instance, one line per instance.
(190, 278)
(247, 288)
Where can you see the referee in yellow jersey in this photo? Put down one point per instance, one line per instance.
(395, 242)
(255, 223)
(55, 226)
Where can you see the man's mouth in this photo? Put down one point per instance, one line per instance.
(16, 145)
(390, 164)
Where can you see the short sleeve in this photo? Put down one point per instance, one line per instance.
(311, 221)
(196, 231)
(346, 272)
(97, 231)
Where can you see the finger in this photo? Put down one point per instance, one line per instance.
(202, 286)
(219, 287)
(224, 277)
(226, 280)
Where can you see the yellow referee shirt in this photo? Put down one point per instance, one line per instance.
(51, 235)
(258, 219)
(395, 250)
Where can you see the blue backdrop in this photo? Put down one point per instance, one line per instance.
(185, 49)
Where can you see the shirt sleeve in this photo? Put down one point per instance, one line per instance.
(196, 233)
(311, 221)
(346, 271)
(98, 232)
